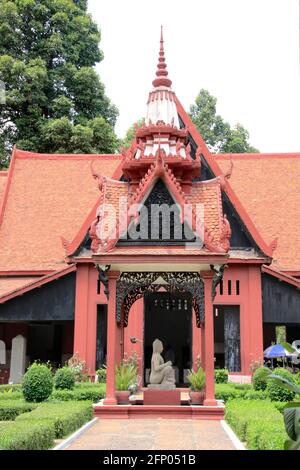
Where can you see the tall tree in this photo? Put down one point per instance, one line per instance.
(54, 99)
(216, 132)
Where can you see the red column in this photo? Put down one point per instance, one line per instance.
(210, 400)
(81, 311)
(196, 342)
(255, 351)
(203, 345)
(112, 339)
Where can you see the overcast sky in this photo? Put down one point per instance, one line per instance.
(245, 52)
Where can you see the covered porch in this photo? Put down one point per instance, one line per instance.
(186, 287)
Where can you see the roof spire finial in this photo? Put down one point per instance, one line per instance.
(161, 72)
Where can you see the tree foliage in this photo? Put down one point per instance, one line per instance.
(55, 101)
(129, 136)
(216, 132)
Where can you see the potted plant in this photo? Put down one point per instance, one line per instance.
(126, 377)
(197, 386)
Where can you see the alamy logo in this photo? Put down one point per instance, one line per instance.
(157, 222)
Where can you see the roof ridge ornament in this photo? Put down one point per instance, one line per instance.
(161, 72)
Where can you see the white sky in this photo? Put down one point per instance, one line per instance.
(245, 52)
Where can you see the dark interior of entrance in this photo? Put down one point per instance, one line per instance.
(227, 337)
(168, 317)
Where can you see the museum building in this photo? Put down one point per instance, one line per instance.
(102, 254)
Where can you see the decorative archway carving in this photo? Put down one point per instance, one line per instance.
(133, 286)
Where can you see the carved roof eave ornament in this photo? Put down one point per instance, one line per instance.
(133, 285)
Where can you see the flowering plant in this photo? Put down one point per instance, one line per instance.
(78, 367)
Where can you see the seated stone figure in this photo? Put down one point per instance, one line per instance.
(162, 374)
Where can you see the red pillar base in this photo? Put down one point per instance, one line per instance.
(110, 401)
(210, 402)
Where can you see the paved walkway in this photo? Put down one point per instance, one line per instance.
(156, 434)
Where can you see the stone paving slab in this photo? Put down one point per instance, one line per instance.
(156, 434)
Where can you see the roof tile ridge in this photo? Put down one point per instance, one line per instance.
(255, 156)
(25, 154)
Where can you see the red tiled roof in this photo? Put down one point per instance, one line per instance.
(14, 287)
(9, 284)
(268, 187)
(47, 197)
(3, 179)
(209, 194)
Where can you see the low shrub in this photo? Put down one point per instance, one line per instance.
(260, 377)
(242, 386)
(65, 418)
(101, 374)
(266, 434)
(256, 395)
(93, 393)
(10, 409)
(221, 376)
(18, 435)
(278, 393)
(64, 379)
(227, 391)
(37, 383)
(10, 387)
(257, 422)
(10, 395)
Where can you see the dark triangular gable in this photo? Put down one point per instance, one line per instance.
(240, 238)
(160, 195)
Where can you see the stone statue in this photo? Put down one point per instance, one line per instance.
(162, 373)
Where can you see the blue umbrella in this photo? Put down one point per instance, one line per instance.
(276, 351)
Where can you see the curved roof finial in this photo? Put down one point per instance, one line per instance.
(161, 72)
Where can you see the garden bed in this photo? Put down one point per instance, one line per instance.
(38, 428)
(258, 423)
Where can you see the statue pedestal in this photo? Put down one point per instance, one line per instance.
(161, 397)
(161, 386)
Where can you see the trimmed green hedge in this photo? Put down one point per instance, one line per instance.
(26, 435)
(92, 392)
(37, 429)
(10, 409)
(12, 387)
(65, 417)
(9, 395)
(227, 391)
(258, 423)
(233, 391)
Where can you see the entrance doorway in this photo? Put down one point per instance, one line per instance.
(168, 317)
